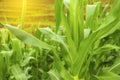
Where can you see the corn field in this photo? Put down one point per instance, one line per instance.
(83, 45)
(34, 13)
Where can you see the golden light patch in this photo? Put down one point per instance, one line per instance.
(31, 12)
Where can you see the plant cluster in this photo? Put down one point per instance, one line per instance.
(85, 47)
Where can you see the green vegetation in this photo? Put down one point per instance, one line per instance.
(80, 47)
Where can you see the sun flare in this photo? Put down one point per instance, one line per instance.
(32, 11)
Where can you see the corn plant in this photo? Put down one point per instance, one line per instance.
(83, 36)
(88, 49)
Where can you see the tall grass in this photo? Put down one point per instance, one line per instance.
(85, 48)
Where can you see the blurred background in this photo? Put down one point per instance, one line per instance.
(37, 13)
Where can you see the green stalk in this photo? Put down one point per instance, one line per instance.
(23, 13)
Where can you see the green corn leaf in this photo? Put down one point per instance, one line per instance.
(115, 68)
(69, 40)
(17, 52)
(60, 68)
(58, 7)
(27, 60)
(81, 21)
(105, 48)
(87, 43)
(27, 38)
(92, 12)
(86, 32)
(3, 35)
(54, 75)
(67, 4)
(74, 9)
(55, 37)
(109, 26)
(18, 72)
(5, 63)
(1, 67)
(104, 12)
(108, 76)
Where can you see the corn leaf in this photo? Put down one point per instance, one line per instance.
(54, 75)
(27, 38)
(18, 73)
(58, 7)
(115, 68)
(108, 76)
(108, 27)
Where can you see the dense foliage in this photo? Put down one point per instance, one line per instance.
(85, 47)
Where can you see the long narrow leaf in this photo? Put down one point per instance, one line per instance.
(26, 37)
